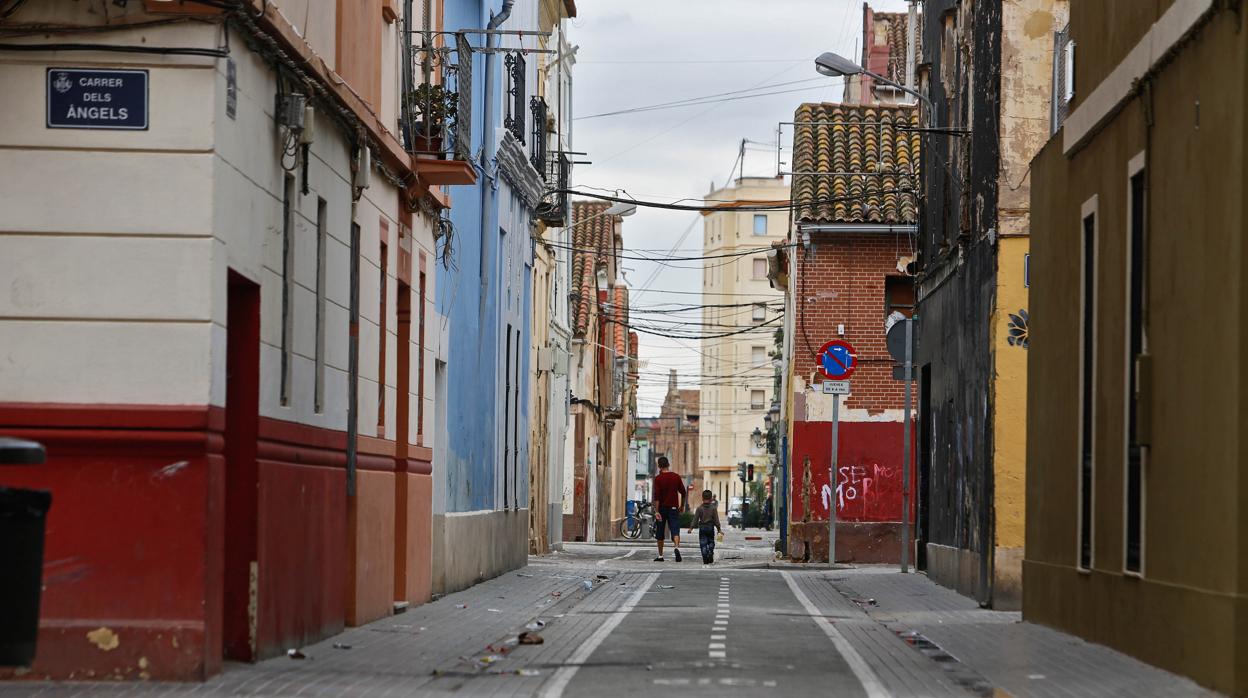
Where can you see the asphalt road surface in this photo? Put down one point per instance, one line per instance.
(713, 632)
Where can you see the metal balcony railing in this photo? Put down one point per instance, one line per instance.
(553, 210)
(437, 100)
(514, 120)
(537, 156)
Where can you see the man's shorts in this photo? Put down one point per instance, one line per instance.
(670, 522)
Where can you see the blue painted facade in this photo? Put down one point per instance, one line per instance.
(485, 297)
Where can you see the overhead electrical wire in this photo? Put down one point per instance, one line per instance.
(710, 99)
(689, 258)
(777, 206)
(695, 61)
(760, 328)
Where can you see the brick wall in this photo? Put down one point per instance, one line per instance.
(842, 280)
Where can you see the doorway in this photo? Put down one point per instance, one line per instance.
(242, 424)
(925, 465)
(403, 402)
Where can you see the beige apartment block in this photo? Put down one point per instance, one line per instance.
(741, 317)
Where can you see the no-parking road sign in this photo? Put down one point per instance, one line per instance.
(837, 360)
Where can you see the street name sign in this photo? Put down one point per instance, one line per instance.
(97, 99)
(837, 360)
(835, 387)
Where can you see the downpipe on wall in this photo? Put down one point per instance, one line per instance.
(359, 180)
(489, 144)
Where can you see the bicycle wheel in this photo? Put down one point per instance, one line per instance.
(630, 531)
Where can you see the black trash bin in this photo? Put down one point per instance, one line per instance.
(23, 514)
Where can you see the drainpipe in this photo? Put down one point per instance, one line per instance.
(353, 351)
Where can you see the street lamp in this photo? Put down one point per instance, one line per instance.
(834, 65)
(619, 209)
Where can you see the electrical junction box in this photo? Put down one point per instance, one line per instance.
(293, 111)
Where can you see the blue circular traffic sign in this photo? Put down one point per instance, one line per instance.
(837, 360)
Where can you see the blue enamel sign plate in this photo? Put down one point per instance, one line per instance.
(97, 99)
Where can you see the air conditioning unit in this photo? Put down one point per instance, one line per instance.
(553, 359)
(545, 359)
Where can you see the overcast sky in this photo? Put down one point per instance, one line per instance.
(635, 53)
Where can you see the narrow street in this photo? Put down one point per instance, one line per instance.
(364, 348)
(743, 627)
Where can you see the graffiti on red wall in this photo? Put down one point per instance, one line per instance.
(868, 481)
(865, 489)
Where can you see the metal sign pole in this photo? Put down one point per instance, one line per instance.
(836, 418)
(905, 452)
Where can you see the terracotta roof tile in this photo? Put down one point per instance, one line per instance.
(872, 166)
(619, 331)
(894, 25)
(591, 242)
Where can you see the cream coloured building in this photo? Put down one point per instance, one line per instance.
(218, 317)
(737, 377)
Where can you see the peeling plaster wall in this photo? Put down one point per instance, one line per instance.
(1026, 91)
(991, 72)
(956, 295)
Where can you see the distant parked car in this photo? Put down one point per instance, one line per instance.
(734, 517)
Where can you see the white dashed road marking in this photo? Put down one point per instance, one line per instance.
(870, 682)
(560, 680)
(718, 648)
(619, 557)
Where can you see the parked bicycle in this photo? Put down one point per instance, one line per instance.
(642, 521)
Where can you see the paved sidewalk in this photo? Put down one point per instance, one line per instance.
(430, 648)
(992, 652)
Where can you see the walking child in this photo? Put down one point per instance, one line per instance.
(706, 520)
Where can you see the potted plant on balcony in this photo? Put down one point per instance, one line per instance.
(433, 107)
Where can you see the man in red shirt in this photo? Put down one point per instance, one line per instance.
(669, 501)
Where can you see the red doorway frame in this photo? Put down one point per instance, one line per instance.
(242, 427)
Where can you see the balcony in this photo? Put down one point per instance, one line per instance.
(537, 105)
(437, 114)
(553, 210)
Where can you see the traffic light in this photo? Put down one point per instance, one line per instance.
(750, 472)
(741, 470)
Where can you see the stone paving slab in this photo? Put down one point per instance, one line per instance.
(902, 670)
(1018, 658)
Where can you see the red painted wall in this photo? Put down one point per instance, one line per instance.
(868, 471)
(303, 563)
(137, 529)
(135, 495)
